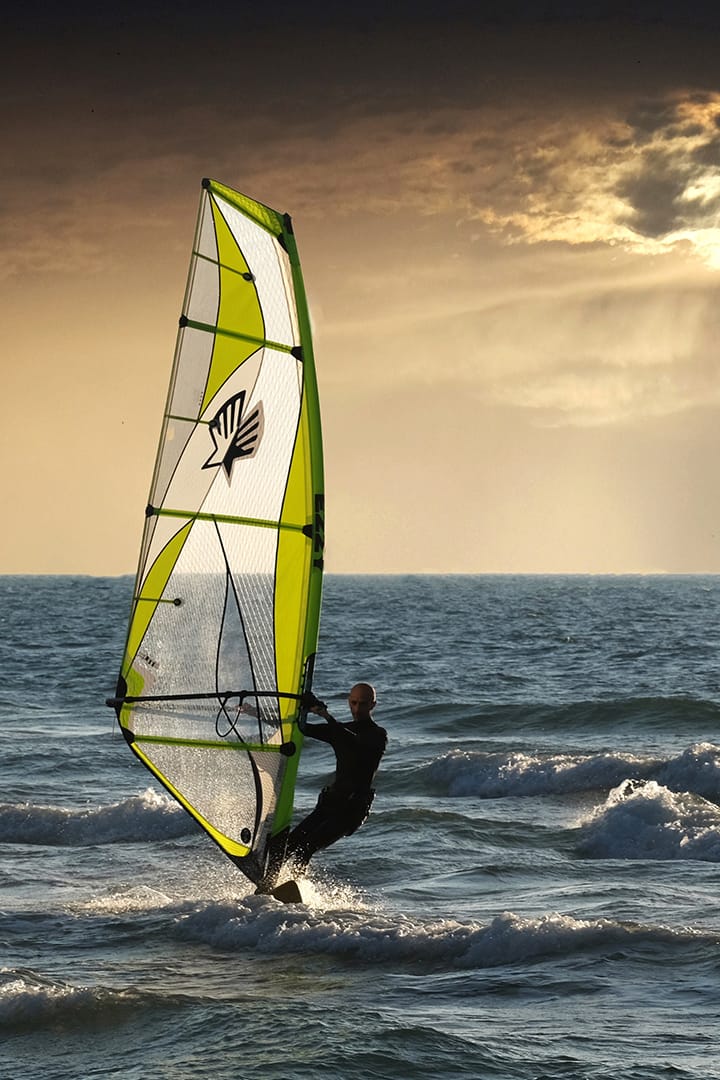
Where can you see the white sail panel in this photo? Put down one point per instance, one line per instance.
(271, 276)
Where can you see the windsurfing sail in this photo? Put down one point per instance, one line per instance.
(224, 620)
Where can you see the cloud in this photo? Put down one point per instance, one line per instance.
(542, 137)
(446, 225)
(649, 182)
(616, 356)
(655, 194)
(578, 341)
(602, 392)
(676, 183)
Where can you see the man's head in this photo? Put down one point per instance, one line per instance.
(362, 700)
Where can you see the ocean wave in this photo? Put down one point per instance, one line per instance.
(463, 773)
(661, 713)
(371, 937)
(149, 816)
(644, 820)
(29, 1002)
(697, 770)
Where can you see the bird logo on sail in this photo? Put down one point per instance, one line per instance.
(235, 435)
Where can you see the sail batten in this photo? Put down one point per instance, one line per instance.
(228, 518)
(242, 747)
(228, 589)
(224, 331)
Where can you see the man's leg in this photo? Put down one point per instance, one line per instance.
(322, 827)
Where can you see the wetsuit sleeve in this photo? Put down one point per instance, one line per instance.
(324, 732)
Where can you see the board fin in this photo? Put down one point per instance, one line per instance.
(288, 893)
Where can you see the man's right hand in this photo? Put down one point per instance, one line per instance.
(312, 704)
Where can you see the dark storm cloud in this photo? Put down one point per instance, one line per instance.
(522, 116)
(708, 153)
(649, 118)
(670, 186)
(655, 195)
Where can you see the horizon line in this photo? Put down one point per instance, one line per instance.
(410, 573)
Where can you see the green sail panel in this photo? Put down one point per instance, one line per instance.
(224, 621)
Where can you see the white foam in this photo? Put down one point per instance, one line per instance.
(467, 773)
(260, 924)
(463, 773)
(30, 1001)
(149, 816)
(120, 900)
(697, 769)
(648, 821)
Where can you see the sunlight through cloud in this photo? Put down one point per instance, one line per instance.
(650, 183)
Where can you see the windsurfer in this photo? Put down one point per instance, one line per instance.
(344, 804)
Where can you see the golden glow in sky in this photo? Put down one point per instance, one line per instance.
(649, 183)
(511, 245)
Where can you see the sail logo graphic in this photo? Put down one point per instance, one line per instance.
(234, 434)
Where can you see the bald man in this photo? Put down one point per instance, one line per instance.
(344, 804)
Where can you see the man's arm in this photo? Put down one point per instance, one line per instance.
(317, 731)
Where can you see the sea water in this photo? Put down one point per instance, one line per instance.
(535, 895)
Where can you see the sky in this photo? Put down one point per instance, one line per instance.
(507, 215)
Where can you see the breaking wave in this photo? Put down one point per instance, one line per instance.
(265, 926)
(462, 773)
(29, 1001)
(149, 816)
(644, 820)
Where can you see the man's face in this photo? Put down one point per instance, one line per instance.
(361, 700)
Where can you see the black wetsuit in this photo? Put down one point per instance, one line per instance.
(345, 803)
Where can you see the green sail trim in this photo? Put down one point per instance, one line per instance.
(262, 215)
